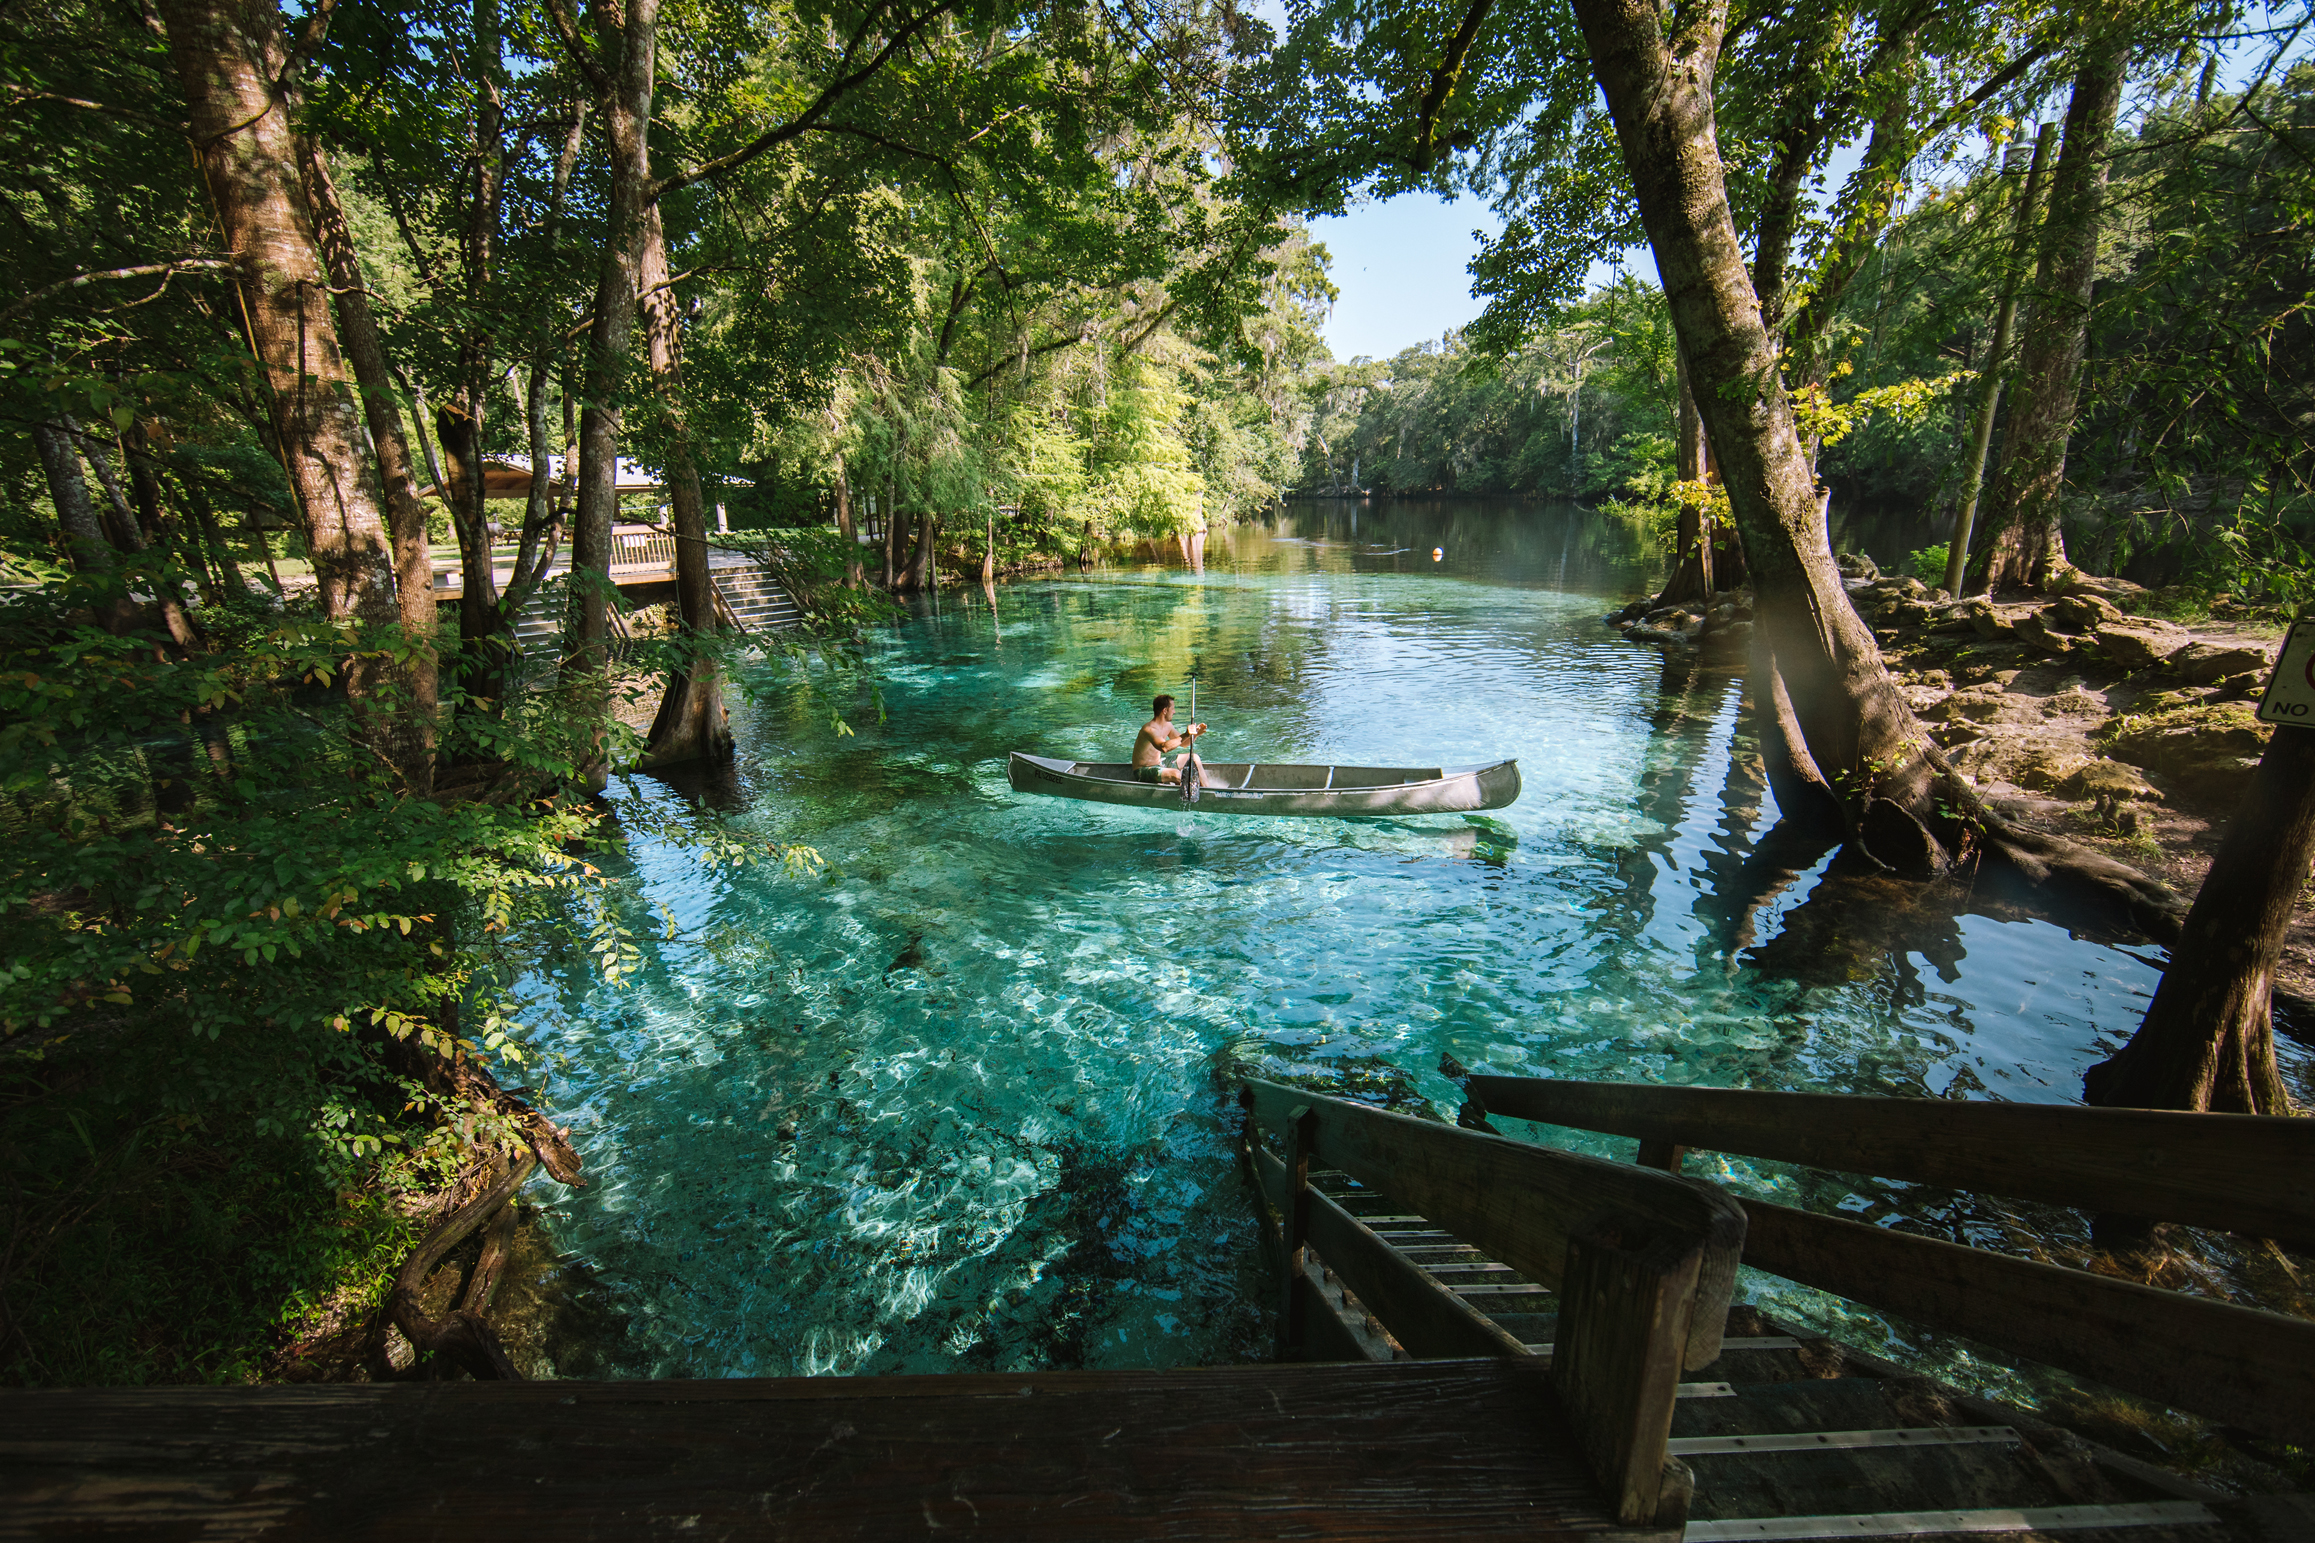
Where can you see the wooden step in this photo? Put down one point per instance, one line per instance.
(1916, 1524)
(1781, 1444)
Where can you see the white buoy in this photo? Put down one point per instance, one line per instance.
(1438, 554)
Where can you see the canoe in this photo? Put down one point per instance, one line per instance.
(1265, 788)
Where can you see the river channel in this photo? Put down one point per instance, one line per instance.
(955, 1101)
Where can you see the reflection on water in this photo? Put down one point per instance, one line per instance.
(956, 1103)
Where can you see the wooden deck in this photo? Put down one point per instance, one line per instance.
(1496, 1340)
(1415, 1450)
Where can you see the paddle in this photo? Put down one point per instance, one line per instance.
(1193, 771)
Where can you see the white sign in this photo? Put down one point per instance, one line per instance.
(2290, 694)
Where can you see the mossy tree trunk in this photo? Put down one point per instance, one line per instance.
(2023, 543)
(231, 57)
(1894, 795)
(2208, 1040)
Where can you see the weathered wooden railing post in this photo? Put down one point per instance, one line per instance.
(1625, 1299)
(1661, 1154)
(1296, 1222)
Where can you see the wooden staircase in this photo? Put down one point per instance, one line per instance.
(748, 601)
(1782, 1436)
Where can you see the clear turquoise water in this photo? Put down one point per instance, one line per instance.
(956, 1103)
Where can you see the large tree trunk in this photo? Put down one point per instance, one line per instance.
(2023, 542)
(1659, 91)
(1896, 797)
(230, 56)
(626, 108)
(690, 725)
(2207, 1041)
(413, 750)
(921, 572)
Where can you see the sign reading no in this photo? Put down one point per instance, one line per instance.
(2290, 694)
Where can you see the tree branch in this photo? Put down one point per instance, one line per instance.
(146, 270)
(567, 29)
(804, 122)
(1443, 83)
(2277, 135)
(19, 94)
(1014, 358)
(310, 38)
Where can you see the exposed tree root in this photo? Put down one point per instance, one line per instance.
(1925, 818)
(2077, 873)
(462, 1335)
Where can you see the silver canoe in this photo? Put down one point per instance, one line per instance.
(1263, 788)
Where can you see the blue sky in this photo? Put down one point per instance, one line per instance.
(1400, 267)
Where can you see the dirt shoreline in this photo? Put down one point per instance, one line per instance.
(2076, 713)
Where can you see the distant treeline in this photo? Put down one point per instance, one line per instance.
(2193, 454)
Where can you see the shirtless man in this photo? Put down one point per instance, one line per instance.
(1159, 736)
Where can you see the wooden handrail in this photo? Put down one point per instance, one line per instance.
(2245, 1173)
(1520, 1202)
(2241, 1365)
(1644, 1262)
(1426, 1318)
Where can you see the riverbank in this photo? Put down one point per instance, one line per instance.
(2087, 714)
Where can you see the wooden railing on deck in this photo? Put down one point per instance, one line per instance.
(1644, 1264)
(2251, 1174)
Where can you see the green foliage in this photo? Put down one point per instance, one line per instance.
(2189, 462)
(1928, 563)
(1570, 414)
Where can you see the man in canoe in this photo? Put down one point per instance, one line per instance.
(1159, 736)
